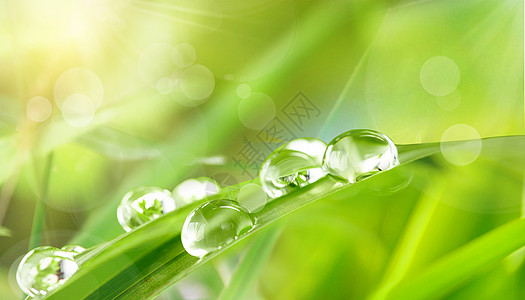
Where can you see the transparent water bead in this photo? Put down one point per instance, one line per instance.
(292, 166)
(43, 269)
(213, 225)
(359, 153)
(142, 205)
(75, 249)
(195, 189)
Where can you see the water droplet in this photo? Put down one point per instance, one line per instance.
(359, 153)
(142, 205)
(43, 269)
(75, 249)
(292, 166)
(213, 225)
(195, 189)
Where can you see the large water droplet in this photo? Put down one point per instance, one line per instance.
(195, 189)
(292, 166)
(142, 205)
(213, 225)
(43, 269)
(359, 153)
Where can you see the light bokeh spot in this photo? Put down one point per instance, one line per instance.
(164, 85)
(439, 75)
(244, 91)
(449, 102)
(155, 63)
(183, 55)
(78, 110)
(197, 82)
(253, 197)
(39, 109)
(79, 81)
(461, 154)
(256, 110)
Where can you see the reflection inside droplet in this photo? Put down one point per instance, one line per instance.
(214, 225)
(359, 153)
(142, 205)
(292, 166)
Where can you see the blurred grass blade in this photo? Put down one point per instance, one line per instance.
(244, 279)
(4, 231)
(39, 216)
(462, 264)
(117, 144)
(143, 262)
(408, 243)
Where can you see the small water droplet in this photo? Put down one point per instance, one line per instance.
(142, 205)
(213, 225)
(75, 249)
(358, 154)
(43, 269)
(292, 166)
(195, 189)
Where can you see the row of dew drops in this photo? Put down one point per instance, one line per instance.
(351, 156)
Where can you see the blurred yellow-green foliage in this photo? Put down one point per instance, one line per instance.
(117, 94)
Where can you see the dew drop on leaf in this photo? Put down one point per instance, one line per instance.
(43, 269)
(142, 205)
(213, 225)
(358, 154)
(195, 189)
(292, 166)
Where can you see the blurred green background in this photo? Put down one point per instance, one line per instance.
(110, 95)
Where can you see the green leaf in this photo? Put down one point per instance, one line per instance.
(145, 261)
(463, 263)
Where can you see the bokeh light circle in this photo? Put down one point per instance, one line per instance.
(78, 81)
(164, 85)
(256, 110)
(155, 63)
(78, 110)
(439, 75)
(244, 91)
(183, 55)
(449, 102)
(197, 82)
(39, 109)
(464, 153)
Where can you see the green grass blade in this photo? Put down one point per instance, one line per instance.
(462, 264)
(145, 261)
